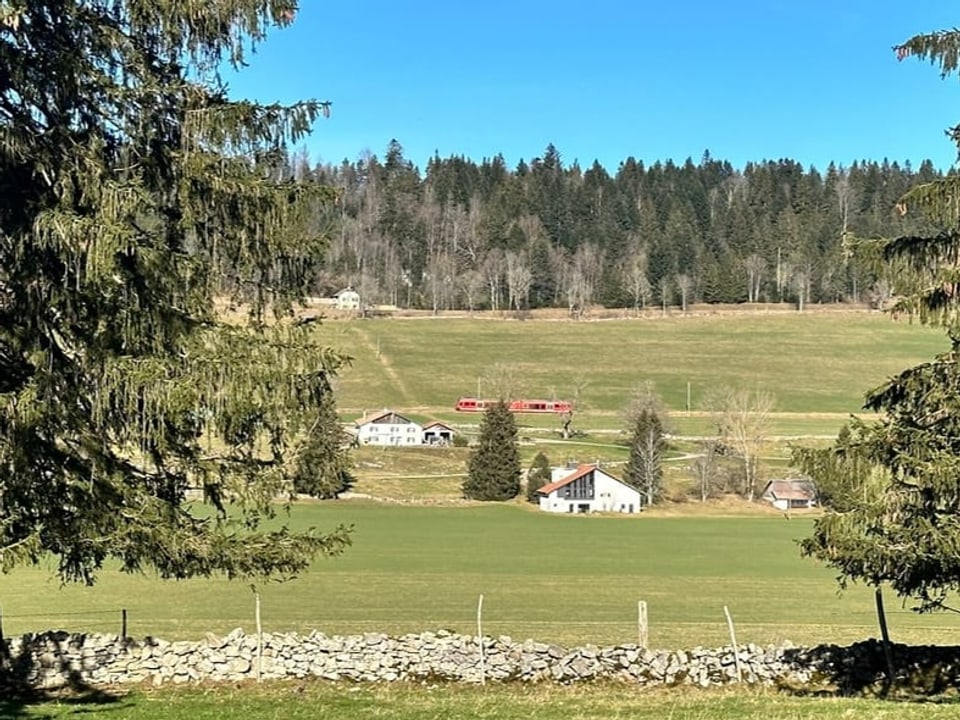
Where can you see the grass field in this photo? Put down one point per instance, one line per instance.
(566, 579)
(817, 365)
(331, 701)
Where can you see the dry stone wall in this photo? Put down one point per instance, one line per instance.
(55, 659)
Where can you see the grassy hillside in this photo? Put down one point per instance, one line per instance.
(817, 365)
(568, 579)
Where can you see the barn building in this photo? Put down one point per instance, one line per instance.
(790, 494)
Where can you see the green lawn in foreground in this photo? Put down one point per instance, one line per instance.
(567, 579)
(334, 701)
(811, 362)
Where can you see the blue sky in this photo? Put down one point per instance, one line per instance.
(812, 80)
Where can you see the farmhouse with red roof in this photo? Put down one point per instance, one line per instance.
(588, 489)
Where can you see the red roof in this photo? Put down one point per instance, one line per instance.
(578, 473)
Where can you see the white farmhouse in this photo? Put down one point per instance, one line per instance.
(347, 299)
(388, 428)
(588, 489)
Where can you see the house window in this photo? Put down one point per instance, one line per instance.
(580, 489)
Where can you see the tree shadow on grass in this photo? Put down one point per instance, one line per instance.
(70, 702)
(922, 673)
(18, 692)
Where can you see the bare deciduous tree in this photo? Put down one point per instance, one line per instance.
(846, 195)
(685, 286)
(703, 465)
(755, 265)
(580, 382)
(742, 418)
(634, 274)
(471, 283)
(519, 278)
(439, 276)
(666, 296)
(470, 240)
(800, 274)
(493, 270)
(532, 228)
(502, 381)
(582, 278)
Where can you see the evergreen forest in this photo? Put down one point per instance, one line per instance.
(481, 236)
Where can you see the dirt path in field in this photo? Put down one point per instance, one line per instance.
(388, 368)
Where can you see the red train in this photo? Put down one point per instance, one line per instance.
(471, 404)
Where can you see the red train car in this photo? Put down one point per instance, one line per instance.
(471, 404)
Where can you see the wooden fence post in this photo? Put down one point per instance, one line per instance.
(259, 667)
(483, 668)
(642, 623)
(733, 642)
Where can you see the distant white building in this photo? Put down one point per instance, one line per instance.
(790, 494)
(388, 428)
(588, 489)
(348, 299)
(437, 433)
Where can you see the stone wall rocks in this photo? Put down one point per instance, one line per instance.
(54, 659)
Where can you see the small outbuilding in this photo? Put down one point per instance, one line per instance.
(790, 494)
(437, 433)
(588, 489)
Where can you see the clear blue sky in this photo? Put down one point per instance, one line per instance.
(812, 80)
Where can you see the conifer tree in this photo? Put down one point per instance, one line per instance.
(894, 485)
(494, 467)
(129, 184)
(538, 475)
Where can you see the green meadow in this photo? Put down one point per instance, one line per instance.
(397, 701)
(421, 560)
(564, 579)
(817, 365)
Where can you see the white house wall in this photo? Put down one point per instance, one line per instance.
(559, 473)
(609, 495)
(348, 300)
(390, 434)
